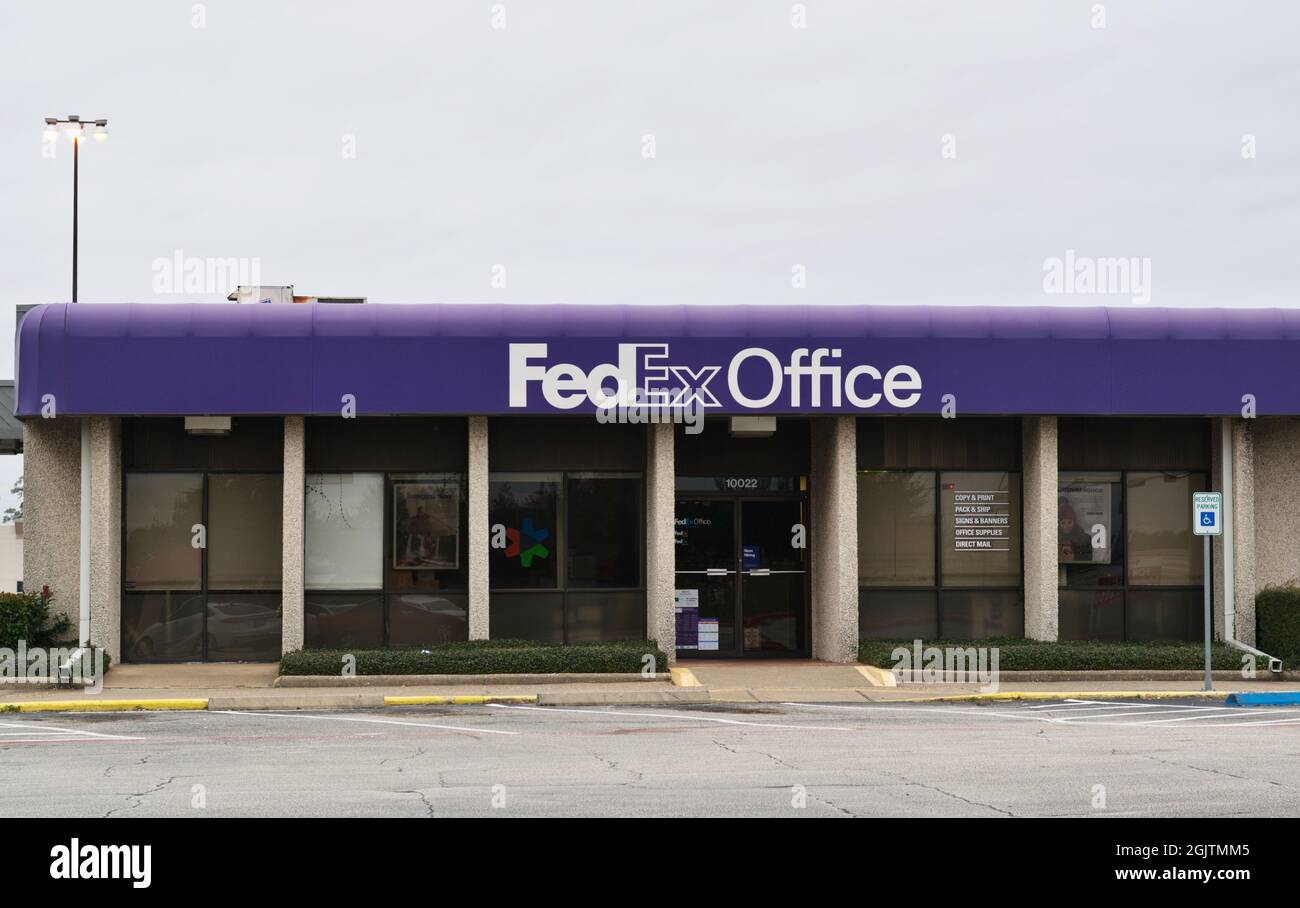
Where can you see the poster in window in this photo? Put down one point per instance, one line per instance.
(1081, 507)
(426, 526)
(686, 605)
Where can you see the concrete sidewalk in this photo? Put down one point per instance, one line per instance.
(253, 687)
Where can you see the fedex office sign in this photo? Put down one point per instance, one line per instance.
(808, 377)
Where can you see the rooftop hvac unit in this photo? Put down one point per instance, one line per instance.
(285, 295)
(262, 295)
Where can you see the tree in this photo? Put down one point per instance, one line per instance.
(16, 512)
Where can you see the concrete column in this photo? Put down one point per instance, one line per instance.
(106, 535)
(479, 530)
(293, 547)
(834, 542)
(1277, 474)
(51, 512)
(1042, 577)
(661, 554)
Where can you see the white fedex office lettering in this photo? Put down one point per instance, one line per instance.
(565, 386)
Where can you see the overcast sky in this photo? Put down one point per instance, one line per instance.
(674, 152)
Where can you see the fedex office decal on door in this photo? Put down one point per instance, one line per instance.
(647, 369)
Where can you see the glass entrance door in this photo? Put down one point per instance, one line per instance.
(705, 542)
(741, 576)
(773, 571)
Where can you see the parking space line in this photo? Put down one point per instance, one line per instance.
(1135, 719)
(1292, 721)
(1230, 713)
(42, 729)
(690, 717)
(1092, 704)
(1140, 717)
(372, 721)
(920, 709)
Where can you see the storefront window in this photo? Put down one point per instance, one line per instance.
(1130, 568)
(344, 620)
(1162, 551)
(980, 529)
(163, 627)
(566, 555)
(524, 511)
(245, 514)
(344, 531)
(220, 602)
(604, 529)
(939, 553)
(387, 554)
(896, 529)
(1090, 529)
(427, 567)
(162, 510)
(243, 627)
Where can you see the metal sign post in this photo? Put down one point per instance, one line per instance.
(1207, 521)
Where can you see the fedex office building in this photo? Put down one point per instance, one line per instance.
(229, 482)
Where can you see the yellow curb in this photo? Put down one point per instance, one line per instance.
(684, 677)
(77, 706)
(462, 700)
(1069, 695)
(878, 677)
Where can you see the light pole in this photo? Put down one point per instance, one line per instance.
(75, 128)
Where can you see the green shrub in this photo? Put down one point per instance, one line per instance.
(1277, 622)
(480, 657)
(1017, 654)
(26, 616)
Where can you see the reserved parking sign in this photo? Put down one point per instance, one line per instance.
(1207, 513)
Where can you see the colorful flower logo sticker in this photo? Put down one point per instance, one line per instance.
(526, 542)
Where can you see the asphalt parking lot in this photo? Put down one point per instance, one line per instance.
(1072, 758)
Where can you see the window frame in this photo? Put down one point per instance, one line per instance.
(562, 587)
(938, 588)
(1127, 586)
(384, 591)
(383, 532)
(207, 514)
(203, 589)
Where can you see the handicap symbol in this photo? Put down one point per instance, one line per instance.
(1207, 518)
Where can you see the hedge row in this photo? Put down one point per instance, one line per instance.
(1277, 622)
(481, 657)
(1017, 654)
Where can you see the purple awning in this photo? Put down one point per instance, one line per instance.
(137, 359)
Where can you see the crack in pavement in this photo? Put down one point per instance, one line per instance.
(428, 805)
(139, 797)
(1216, 772)
(419, 752)
(953, 795)
(740, 753)
(958, 797)
(833, 806)
(637, 775)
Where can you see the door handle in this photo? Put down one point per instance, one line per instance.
(759, 572)
(717, 572)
